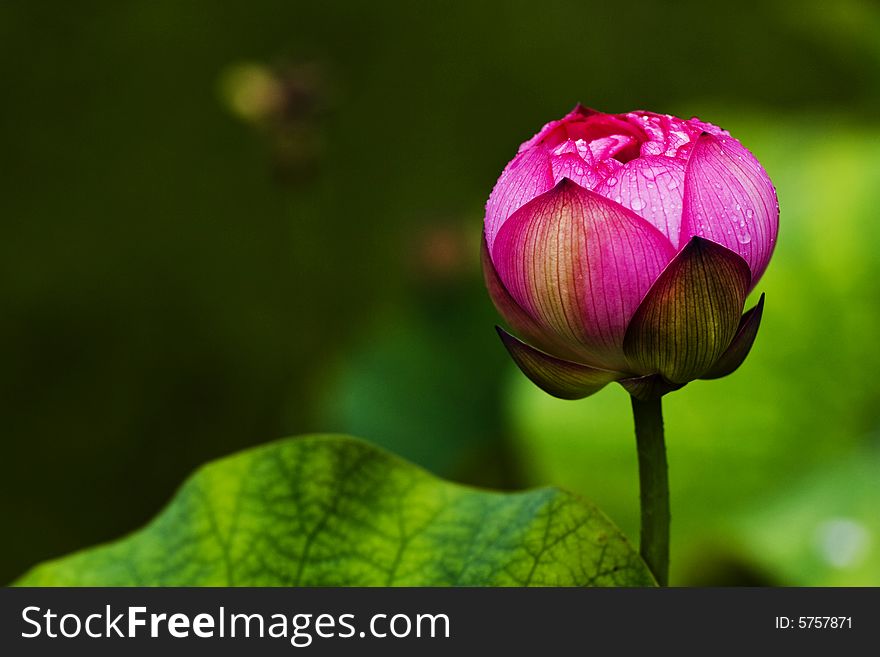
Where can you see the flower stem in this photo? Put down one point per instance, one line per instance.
(653, 487)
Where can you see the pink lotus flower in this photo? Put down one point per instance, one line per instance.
(621, 247)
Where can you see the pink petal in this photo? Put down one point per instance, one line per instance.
(729, 199)
(555, 376)
(581, 146)
(518, 319)
(580, 264)
(525, 177)
(567, 161)
(652, 186)
(576, 115)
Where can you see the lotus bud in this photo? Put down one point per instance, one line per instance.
(621, 247)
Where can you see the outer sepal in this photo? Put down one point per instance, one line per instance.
(691, 313)
(555, 376)
(742, 343)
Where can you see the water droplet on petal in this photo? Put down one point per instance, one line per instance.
(672, 184)
(637, 204)
(750, 213)
(612, 181)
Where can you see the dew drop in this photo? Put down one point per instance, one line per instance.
(672, 184)
(742, 233)
(612, 181)
(750, 213)
(649, 173)
(637, 204)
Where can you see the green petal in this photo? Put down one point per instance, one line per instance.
(557, 377)
(690, 314)
(742, 343)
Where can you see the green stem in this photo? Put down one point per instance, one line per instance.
(653, 487)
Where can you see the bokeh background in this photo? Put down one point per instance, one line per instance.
(228, 222)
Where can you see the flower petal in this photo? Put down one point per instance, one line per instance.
(578, 113)
(729, 199)
(526, 176)
(742, 343)
(652, 186)
(557, 377)
(580, 264)
(582, 146)
(690, 315)
(518, 319)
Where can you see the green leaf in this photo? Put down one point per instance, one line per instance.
(334, 511)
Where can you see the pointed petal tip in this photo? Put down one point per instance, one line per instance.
(696, 241)
(566, 183)
(565, 186)
(704, 245)
(582, 110)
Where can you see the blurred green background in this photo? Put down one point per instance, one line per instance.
(228, 222)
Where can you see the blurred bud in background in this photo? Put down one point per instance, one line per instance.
(444, 251)
(286, 103)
